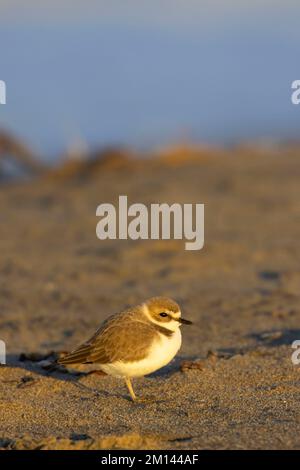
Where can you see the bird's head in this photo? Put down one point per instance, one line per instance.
(164, 312)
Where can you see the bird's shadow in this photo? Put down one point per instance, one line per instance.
(172, 367)
(54, 371)
(70, 375)
(266, 338)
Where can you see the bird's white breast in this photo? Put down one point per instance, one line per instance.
(160, 354)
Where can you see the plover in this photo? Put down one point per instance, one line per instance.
(134, 342)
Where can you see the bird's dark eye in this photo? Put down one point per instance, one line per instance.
(163, 314)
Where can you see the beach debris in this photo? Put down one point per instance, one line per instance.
(15, 150)
(268, 275)
(46, 361)
(211, 358)
(79, 437)
(46, 364)
(271, 335)
(35, 356)
(26, 381)
(198, 364)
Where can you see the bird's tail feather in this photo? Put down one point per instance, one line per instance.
(79, 356)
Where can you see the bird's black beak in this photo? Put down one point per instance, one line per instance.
(184, 322)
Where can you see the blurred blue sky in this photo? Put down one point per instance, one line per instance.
(148, 72)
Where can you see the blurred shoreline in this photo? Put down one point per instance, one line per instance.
(19, 162)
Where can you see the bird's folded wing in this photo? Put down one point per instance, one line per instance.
(115, 341)
(78, 356)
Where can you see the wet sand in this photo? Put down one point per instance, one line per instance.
(233, 384)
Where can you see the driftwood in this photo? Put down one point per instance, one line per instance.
(13, 149)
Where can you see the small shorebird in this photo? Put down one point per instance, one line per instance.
(134, 342)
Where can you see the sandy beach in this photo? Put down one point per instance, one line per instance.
(233, 384)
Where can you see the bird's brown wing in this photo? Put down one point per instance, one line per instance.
(127, 340)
